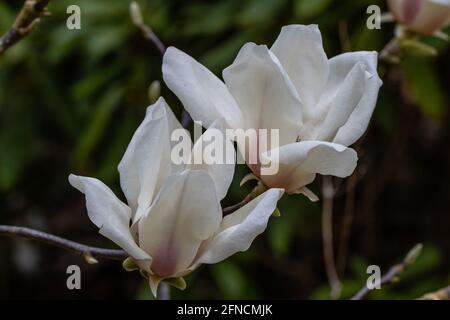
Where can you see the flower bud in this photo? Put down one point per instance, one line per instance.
(135, 13)
(154, 91)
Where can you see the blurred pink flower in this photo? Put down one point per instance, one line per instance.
(422, 16)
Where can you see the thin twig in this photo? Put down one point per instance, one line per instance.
(391, 51)
(164, 291)
(393, 273)
(257, 190)
(347, 222)
(442, 294)
(88, 252)
(385, 279)
(344, 37)
(327, 234)
(150, 35)
(233, 208)
(30, 15)
(147, 32)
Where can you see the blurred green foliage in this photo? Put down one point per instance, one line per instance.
(71, 100)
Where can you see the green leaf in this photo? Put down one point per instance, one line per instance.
(310, 8)
(425, 87)
(280, 232)
(230, 279)
(97, 125)
(258, 12)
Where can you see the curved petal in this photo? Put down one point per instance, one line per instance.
(342, 93)
(299, 49)
(359, 119)
(335, 112)
(153, 282)
(109, 214)
(239, 229)
(299, 163)
(307, 193)
(186, 212)
(204, 96)
(264, 93)
(214, 153)
(146, 162)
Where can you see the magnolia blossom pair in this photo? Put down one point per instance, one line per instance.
(173, 221)
(320, 105)
(422, 16)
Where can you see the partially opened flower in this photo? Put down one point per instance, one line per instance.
(319, 106)
(173, 221)
(422, 16)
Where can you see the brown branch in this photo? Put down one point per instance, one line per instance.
(147, 32)
(88, 252)
(347, 222)
(393, 273)
(257, 190)
(327, 234)
(229, 210)
(30, 15)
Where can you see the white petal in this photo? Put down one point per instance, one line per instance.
(266, 96)
(153, 282)
(300, 162)
(186, 212)
(146, 162)
(204, 96)
(239, 229)
(335, 112)
(109, 214)
(358, 120)
(220, 168)
(300, 51)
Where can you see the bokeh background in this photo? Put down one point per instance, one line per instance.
(71, 100)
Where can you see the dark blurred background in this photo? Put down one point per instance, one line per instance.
(71, 100)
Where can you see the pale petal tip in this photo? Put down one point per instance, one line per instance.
(302, 29)
(258, 49)
(157, 109)
(71, 177)
(75, 181)
(313, 26)
(248, 178)
(170, 51)
(154, 282)
(308, 193)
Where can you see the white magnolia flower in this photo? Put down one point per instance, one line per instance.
(422, 16)
(320, 106)
(173, 221)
